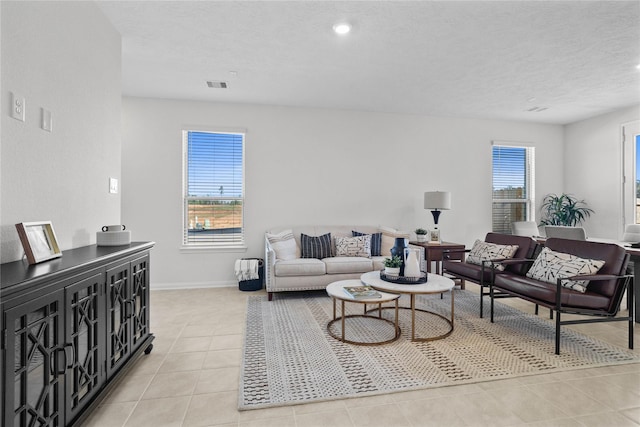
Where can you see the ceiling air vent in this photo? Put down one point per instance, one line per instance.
(217, 85)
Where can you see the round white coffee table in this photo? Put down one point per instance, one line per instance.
(435, 284)
(337, 293)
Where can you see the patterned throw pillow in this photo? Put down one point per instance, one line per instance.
(359, 246)
(550, 266)
(284, 245)
(483, 251)
(376, 242)
(316, 247)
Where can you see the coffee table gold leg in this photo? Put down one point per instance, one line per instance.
(451, 309)
(397, 314)
(343, 316)
(413, 317)
(334, 308)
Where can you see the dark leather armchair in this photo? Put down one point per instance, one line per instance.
(483, 274)
(602, 298)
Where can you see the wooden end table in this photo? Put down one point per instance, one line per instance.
(433, 252)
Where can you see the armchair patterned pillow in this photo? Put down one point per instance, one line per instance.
(550, 266)
(483, 251)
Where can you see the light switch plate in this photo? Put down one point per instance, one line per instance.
(17, 106)
(47, 120)
(113, 185)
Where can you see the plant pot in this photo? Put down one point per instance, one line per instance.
(392, 271)
(421, 238)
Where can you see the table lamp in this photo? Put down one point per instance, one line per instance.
(437, 201)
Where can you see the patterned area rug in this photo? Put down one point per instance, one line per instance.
(290, 358)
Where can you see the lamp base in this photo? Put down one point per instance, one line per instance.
(436, 216)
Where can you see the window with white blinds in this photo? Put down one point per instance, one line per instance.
(513, 179)
(213, 188)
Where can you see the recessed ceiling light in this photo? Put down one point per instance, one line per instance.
(638, 66)
(342, 28)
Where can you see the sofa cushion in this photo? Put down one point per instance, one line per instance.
(467, 271)
(376, 242)
(338, 265)
(378, 262)
(359, 246)
(300, 267)
(284, 245)
(483, 251)
(551, 265)
(316, 246)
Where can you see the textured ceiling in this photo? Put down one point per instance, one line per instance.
(476, 59)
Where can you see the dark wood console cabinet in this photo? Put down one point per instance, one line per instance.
(70, 327)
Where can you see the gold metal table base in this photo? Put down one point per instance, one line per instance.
(413, 319)
(364, 315)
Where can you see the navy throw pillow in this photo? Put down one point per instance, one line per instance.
(315, 247)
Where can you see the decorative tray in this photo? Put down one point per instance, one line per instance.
(404, 280)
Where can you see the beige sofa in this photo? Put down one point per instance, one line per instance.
(301, 274)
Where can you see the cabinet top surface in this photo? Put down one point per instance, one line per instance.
(20, 272)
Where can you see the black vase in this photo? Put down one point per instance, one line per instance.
(398, 249)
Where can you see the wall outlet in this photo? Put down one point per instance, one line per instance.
(113, 185)
(17, 106)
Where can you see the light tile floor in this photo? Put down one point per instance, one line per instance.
(191, 379)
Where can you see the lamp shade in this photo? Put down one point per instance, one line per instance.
(437, 200)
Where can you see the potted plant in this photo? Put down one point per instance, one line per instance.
(564, 209)
(392, 265)
(421, 234)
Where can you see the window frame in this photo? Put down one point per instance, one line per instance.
(210, 246)
(529, 178)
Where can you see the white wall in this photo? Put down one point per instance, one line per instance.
(593, 169)
(316, 166)
(65, 57)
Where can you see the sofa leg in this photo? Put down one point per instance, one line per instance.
(536, 309)
(481, 301)
(557, 332)
(270, 296)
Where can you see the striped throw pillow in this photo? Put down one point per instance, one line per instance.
(284, 245)
(316, 246)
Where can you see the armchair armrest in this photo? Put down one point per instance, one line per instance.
(595, 277)
(514, 261)
(269, 264)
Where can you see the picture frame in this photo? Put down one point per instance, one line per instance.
(434, 236)
(38, 241)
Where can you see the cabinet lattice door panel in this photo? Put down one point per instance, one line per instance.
(85, 336)
(34, 382)
(119, 317)
(139, 298)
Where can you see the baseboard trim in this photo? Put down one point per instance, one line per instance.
(167, 286)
